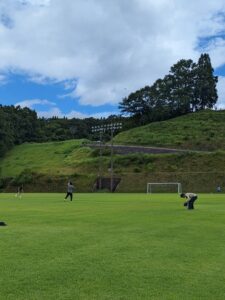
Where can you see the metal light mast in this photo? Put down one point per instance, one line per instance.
(103, 128)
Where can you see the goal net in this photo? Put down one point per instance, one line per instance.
(164, 187)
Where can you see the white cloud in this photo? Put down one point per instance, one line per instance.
(35, 2)
(221, 92)
(33, 102)
(109, 48)
(56, 112)
(3, 79)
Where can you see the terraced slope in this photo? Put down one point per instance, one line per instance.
(48, 166)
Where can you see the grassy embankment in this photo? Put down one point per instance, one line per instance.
(104, 246)
(204, 130)
(47, 166)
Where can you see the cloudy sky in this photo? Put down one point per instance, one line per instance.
(79, 58)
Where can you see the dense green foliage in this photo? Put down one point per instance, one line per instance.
(17, 125)
(204, 130)
(188, 87)
(104, 246)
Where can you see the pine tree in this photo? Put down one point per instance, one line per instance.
(205, 84)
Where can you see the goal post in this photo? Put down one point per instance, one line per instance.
(177, 186)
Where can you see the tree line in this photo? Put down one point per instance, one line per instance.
(188, 87)
(19, 125)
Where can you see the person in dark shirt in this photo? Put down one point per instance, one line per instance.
(190, 199)
(70, 189)
(19, 191)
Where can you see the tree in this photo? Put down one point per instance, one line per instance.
(182, 86)
(187, 87)
(138, 104)
(205, 94)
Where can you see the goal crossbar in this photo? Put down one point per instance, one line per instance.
(150, 184)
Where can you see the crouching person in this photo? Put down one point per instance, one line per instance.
(190, 199)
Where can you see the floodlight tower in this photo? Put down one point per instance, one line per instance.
(112, 127)
(99, 129)
(102, 128)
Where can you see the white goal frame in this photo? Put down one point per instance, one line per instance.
(150, 184)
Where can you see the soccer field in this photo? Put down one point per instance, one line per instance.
(112, 246)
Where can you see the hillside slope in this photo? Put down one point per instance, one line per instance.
(48, 166)
(204, 130)
(45, 158)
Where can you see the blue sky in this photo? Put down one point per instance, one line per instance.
(47, 98)
(80, 58)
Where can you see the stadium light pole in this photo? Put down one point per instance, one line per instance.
(112, 127)
(102, 128)
(99, 129)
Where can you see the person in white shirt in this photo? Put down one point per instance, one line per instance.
(70, 189)
(190, 199)
(218, 189)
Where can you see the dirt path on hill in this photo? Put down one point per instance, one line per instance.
(122, 149)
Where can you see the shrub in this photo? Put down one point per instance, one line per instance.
(137, 170)
(25, 177)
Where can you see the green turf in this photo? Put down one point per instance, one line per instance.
(111, 246)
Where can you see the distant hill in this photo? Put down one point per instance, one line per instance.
(203, 130)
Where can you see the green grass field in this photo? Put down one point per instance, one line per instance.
(112, 246)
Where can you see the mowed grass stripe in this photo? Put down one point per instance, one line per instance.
(112, 246)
